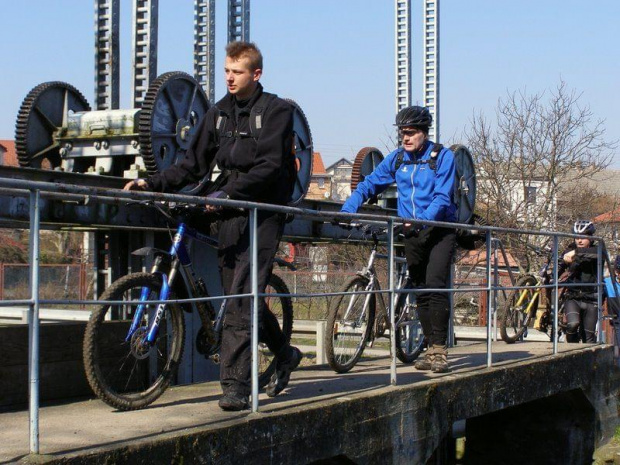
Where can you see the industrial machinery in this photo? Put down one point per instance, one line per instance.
(56, 129)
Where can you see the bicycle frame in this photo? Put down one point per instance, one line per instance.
(180, 263)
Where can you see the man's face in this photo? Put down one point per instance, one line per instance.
(412, 138)
(240, 79)
(583, 243)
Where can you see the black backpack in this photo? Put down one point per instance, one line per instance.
(464, 192)
(256, 118)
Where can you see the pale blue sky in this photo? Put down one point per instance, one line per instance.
(336, 57)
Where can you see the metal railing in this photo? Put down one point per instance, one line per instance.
(35, 190)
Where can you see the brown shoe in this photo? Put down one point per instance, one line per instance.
(440, 360)
(425, 362)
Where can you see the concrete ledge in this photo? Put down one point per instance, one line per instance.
(324, 415)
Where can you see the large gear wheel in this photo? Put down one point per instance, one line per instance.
(365, 163)
(42, 115)
(303, 152)
(171, 113)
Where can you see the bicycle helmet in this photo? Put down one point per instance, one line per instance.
(415, 116)
(584, 227)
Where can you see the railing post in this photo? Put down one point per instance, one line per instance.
(390, 246)
(489, 244)
(33, 323)
(556, 309)
(599, 284)
(496, 284)
(254, 277)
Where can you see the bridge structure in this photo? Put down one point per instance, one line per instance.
(379, 411)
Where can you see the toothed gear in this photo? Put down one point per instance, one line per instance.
(40, 117)
(365, 163)
(303, 152)
(173, 109)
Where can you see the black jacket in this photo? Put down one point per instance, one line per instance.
(581, 270)
(262, 170)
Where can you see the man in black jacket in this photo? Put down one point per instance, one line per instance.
(258, 169)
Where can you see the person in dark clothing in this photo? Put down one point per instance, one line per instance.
(424, 179)
(258, 169)
(580, 309)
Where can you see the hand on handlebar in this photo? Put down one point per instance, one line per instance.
(215, 195)
(136, 185)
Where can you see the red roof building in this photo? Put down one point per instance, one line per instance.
(8, 155)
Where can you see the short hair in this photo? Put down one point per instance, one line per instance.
(238, 50)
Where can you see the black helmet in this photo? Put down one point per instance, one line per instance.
(415, 116)
(584, 227)
(617, 263)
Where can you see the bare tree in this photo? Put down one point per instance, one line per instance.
(534, 155)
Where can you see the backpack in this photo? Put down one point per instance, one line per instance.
(256, 118)
(257, 112)
(464, 192)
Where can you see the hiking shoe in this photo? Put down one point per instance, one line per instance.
(425, 362)
(279, 380)
(440, 361)
(233, 402)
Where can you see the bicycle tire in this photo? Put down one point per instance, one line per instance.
(342, 352)
(282, 308)
(409, 336)
(120, 372)
(513, 321)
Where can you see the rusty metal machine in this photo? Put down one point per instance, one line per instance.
(57, 129)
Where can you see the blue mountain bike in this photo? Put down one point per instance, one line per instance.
(132, 350)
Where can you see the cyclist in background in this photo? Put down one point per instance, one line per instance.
(424, 174)
(613, 299)
(580, 260)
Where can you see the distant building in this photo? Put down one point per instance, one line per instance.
(341, 179)
(8, 155)
(320, 181)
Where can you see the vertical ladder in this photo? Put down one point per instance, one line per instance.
(431, 64)
(204, 45)
(144, 48)
(238, 20)
(107, 54)
(403, 54)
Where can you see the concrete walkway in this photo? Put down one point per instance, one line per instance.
(86, 426)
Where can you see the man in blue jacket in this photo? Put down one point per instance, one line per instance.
(424, 173)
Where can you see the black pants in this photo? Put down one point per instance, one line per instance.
(581, 318)
(429, 255)
(234, 262)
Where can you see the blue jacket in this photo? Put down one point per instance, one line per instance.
(423, 193)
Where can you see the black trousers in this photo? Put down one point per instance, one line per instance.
(581, 318)
(429, 254)
(234, 262)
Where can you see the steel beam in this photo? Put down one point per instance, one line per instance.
(204, 45)
(107, 54)
(238, 20)
(431, 64)
(144, 48)
(403, 54)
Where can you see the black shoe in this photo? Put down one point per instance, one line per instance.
(234, 402)
(279, 380)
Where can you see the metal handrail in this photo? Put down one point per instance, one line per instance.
(89, 195)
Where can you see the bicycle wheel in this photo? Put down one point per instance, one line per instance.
(349, 323)
(515, 316)
(409, 335)
(127, 374)
(282, 308)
